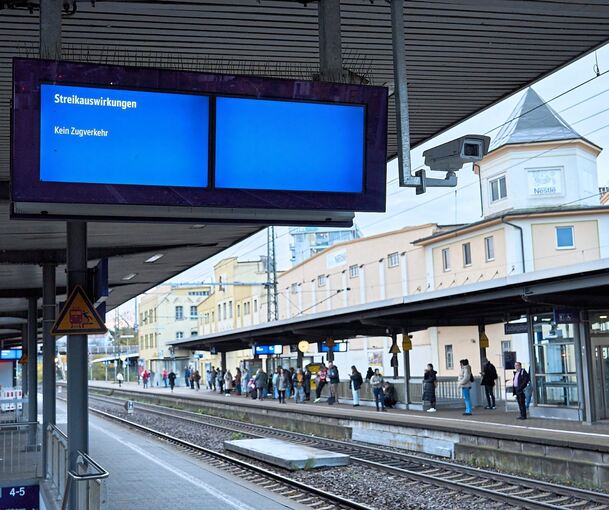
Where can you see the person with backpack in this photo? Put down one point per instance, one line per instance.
(119, 378)
(464, 381)
(489, 376)
(334, 382)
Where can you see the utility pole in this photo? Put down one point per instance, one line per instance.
(272, 305)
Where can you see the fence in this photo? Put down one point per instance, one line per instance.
(20, 457)
(12, 404)
(89, 477)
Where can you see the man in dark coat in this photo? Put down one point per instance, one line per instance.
(519, 383)
(489, 376)
(172, 379)
(429, 387)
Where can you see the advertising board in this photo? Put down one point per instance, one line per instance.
(104, 142)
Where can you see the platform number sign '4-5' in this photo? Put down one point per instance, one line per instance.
(24, 497)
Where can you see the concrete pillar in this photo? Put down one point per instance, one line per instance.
(406, 361)
(48, 355)
(223, 360)
(32, 348)
(330, 52)
(532, 358)
(404, 273)
(24, 372)
(587, 375)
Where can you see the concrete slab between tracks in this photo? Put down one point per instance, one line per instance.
(285, 454)
(563, 450)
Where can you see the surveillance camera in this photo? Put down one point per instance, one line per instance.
(451, 156)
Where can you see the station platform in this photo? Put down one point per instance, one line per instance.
(146, 473)
(559, 449)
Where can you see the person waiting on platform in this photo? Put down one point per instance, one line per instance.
(282, 384)
(245, 379)
(334, 379)
(274, 378)
(119, 378)
(489, 376)
(320, 381)
(519, 383)
(307, 383)
(197, 378)
(356, 384)
(377, 389)
(237, 381)
(187, 376)
(261, 381)
(390, 395)
(145, 378)
(228, 383)
(464, 381)
(429, 387)
(220, 380)
(192, 378)
(164, 377)
(299, 390)
(172, 380)
(369, 375)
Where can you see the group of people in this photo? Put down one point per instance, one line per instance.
(287, 383)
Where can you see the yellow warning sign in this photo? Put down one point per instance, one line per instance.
(23, 359)
(484, 343)
(407, 344)
(330, 343)
(78, 316)
(394, 349)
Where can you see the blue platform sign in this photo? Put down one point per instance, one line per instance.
(339, 346)
(108, 136)
(20, 497)
(10, 354)
(268, 350)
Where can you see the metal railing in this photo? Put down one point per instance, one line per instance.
(91, 490)
(20, 456)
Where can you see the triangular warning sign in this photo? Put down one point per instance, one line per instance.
(78, 316)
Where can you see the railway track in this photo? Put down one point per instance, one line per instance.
(502, 488)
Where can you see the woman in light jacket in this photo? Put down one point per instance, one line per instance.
(228, 383)
(465, 381)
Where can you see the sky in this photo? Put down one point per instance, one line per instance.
(585, 108)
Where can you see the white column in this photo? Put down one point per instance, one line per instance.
(404, 273)
(299, 298)
(362, 284)
(429, 285)
(313, 297)
(328, 293)
(345, 297)
(381, 279)
(435, 347)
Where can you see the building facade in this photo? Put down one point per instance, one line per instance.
(308, 241)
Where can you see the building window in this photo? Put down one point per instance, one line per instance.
(230, 309)
(238, 310)
(506, 346)
(489, 248)
(206, 318)
(179, 334)
(564, 238)
(255, 305)
(498, 189)
(179, 313)
(193, 332)
(449, 357)
(393, 259)
(467, 254)
(353, 271)
(446, 259)
(322, 279)
(223, 311)
(193, 312)
(246, 308)
(294, 288)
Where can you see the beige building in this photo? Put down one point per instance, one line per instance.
(166, 313)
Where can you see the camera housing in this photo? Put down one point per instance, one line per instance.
(451, 156)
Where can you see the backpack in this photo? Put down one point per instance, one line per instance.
(471, 377)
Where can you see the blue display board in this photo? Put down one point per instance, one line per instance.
(108, 136)
(289, 145)
(337, 347)
(267, 349)
(10, 354)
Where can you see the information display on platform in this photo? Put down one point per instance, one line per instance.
(10, 354)
(295, 146)
(22, 497)
(269, 350)
(103, 142)
(108, 136)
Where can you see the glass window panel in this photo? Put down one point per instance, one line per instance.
(564, 237)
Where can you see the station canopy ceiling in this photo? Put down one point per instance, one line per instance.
(462, 57)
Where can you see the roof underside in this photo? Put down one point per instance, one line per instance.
(462, 56)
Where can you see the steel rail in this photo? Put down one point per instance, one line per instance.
(435, 479)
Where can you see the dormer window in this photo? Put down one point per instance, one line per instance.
(498, 189)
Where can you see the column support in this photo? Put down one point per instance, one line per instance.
(406, 360)
(330, 51)
(32, 372)
(78, 401)
(48, 356)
